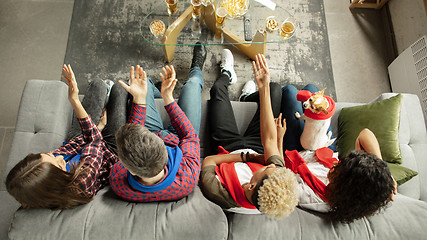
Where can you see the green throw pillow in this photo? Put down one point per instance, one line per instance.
(382, 118)
(401, 174)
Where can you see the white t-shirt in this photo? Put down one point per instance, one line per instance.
(308, 199)
(244, 173)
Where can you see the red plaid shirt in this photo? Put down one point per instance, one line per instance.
(189, 169)
(98, 159)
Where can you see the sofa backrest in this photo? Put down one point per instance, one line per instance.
(44, 116)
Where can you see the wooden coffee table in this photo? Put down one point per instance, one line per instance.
(183, 30)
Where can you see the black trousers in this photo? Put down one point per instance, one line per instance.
(222, 122)
(117, 110)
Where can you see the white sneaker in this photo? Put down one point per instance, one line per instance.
(227, 65)
(248, 89)
(109, 87)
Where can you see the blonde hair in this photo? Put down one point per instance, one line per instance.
(279, 193)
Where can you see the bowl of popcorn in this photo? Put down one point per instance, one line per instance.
(157, 27)
(271, 24)
(235, 8)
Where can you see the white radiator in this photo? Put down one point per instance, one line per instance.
(408, 72)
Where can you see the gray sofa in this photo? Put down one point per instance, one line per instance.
(45, 114)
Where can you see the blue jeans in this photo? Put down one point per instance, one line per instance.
(294, 126)
(190, 101)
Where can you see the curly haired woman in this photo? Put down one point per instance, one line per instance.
(72, 174)
(357, 186)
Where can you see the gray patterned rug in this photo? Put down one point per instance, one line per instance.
(104, 41)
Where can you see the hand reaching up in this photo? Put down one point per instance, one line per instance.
(280, 126)
(137, 86)
(261, 71)
(168, 84)
(73, 90)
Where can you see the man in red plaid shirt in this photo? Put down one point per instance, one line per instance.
(158, 164)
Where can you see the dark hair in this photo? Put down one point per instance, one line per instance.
(361, 184)
(141, 151)
(37, 184)
(254, 197)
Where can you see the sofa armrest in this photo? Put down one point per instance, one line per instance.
(44, 116)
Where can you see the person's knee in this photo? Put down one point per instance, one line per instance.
(98, 85)
(118, 94)
(311, 88)
(289, 89)
(274, 86)
(195, 83)
(117, 88)
(215, 87)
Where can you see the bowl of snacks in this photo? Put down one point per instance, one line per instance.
(157, 27)
(235, 8)
(271, 24)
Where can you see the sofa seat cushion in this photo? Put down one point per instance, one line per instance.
(108, 217)
(303, 224)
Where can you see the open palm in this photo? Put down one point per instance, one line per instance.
(138, 85)
(168, 83)
(261, 71)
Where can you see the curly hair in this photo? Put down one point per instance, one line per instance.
(276, 195)
(141, 151)
(361, 185)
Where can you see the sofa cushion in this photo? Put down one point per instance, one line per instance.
(108, 217)
(303, 224)
(400, 173)
(381, 117)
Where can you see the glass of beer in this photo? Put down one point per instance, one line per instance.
(197, 6)
(172, 8)
(287, 28)
(220, 13)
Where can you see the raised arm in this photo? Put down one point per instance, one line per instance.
(268, 126)
(73, 92)
(366, 141)
(179, 120)
(138, 89)
(89, 130)
(281, 130)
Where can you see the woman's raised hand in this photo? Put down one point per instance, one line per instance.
(73, 90)
(261, 71)
(137, 86)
